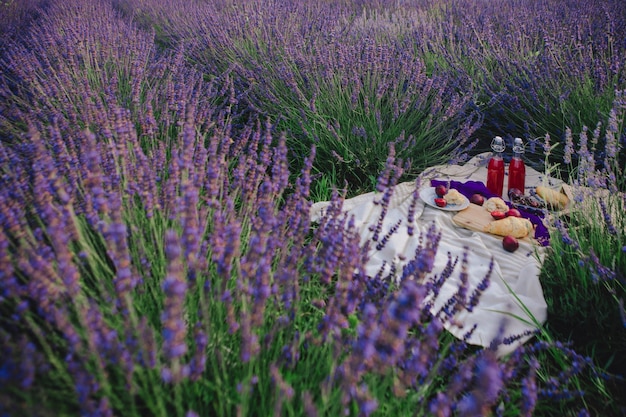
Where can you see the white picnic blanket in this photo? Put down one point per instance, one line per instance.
(513, 301)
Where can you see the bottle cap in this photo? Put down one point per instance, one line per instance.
(518, 145)
(497, 144)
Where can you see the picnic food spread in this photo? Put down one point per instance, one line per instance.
(513, 300)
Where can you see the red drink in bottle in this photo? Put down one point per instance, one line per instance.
(495, 169)
(517, 169)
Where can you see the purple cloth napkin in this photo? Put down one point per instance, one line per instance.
(469, 188)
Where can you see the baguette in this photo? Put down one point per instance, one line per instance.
(517, 227)
(553, 198)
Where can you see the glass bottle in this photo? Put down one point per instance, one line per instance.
(517, 169)
(495, 169)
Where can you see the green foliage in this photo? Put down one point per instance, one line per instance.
(584, 279)
(583, 276)
(353, 122)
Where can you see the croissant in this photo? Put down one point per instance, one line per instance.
(552, 197)
(514, 226)
(495, 203)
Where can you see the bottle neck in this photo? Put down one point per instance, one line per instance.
(518, 149)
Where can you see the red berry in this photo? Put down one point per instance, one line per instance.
(440, 202)
(497, 214)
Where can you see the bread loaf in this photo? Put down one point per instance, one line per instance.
(553, 198)
(495, 203)
(454, 197)
(510, 226)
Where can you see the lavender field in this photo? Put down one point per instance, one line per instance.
(159, 160)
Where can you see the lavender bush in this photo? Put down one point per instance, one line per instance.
(528, 69)
(589, 251)
(351, 90)
(156, 251)
(16, 16)
(541, 68)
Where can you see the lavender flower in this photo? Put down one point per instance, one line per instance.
(309, 406)
(174, 326)
(608, 221)
(612, 143)
(547, 144)
(284, 390)
(565, 236)
(529, 390)
(9, 285)
(569, 146)
(411, 210)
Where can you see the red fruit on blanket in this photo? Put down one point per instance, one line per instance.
(440, 202)
(477, 199)
(510, 244)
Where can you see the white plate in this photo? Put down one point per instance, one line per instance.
(428, 194)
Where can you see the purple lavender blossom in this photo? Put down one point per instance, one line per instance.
(174, 326)
(569, 146)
